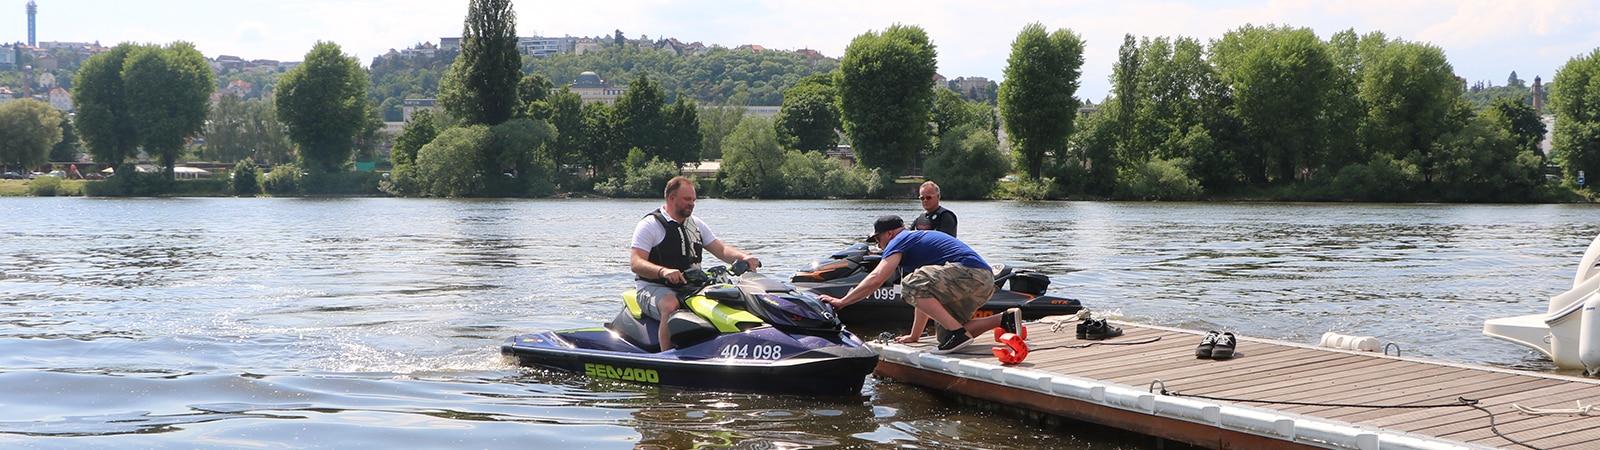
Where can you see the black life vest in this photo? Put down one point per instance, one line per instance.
(679, 249)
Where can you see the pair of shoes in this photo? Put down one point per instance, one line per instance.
(1223, 349)
(956, 341)
(1011, 322)
(1098, 329)
(1208, 344)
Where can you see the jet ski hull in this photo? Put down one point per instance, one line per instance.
(887, 307)
(761, 360)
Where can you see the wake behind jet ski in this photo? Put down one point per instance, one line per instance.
(741, 332)
(836, 274)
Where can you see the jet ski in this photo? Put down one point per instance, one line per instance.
(741, 332)
(836, 274)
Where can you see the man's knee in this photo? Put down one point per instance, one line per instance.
(667, 304)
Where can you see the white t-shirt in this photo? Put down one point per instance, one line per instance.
(648, 233)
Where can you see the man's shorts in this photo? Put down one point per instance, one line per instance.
(650, 297)
(961, 289)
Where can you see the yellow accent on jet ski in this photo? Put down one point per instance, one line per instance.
(630, 298)
(726, 319)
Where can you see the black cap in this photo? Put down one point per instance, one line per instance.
(884, 223)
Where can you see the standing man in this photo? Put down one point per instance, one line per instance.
(947, 281)
(668, 241)
(935, 217)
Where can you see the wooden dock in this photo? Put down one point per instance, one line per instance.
(1324, 398)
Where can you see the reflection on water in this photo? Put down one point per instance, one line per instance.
(344, 322)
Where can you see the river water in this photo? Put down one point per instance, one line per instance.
(274, 322)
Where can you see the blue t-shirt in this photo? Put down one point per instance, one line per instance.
(926, 247)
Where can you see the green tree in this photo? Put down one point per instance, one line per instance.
(566, 115)
(1481, 161)
(716, 122)
(271, 137)
(245, 129)
(533, 93)
(104, 118)
(169, 91)
(69, 147)
(1125, 77)
(949, 112)
(514, 161)
(323, 103)
(968, 163)
(885, 93)
(681, 127)
(809, 118)
(245, 182)
(448, 166)
(1411, 92)
(1037, 102)
(1090, 162)
(226, 133)
(28, 128)
(1281, 78)
(1520, 121)
(637, 118)
(752, 161)
(1575, 99)
(421, 130)
(481, 86)
(599, 143)
(418, 132)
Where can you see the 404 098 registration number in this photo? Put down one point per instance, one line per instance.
(746, 351)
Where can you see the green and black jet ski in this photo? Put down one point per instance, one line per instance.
(741, 332)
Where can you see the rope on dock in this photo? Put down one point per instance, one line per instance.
(1581, 410)
(1091, 344)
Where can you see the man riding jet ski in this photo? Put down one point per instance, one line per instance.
(739, 332)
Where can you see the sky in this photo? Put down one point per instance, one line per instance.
(1485, 40)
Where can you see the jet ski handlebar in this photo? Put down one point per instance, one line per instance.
(715, 275)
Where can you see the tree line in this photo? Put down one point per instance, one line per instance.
(1262, 112)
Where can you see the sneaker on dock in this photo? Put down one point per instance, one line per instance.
(1225, 346)
(1098, 329)
(956, 341)
(1207, 345)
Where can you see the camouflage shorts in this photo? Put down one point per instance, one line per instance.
(961, 289)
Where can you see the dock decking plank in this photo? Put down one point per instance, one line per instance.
(1287, 372)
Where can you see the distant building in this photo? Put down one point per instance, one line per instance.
(6, 95)
(1538, 96)
(969, 85)
(61, 99)
(584, 45)
(426, 50)
(52, 45)
(450, 44)
(409, 107)
(543, 46)
(47, 80)
(591, 88)
(240, 88)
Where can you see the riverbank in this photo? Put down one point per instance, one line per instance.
(19, 188)
(1007, 190)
